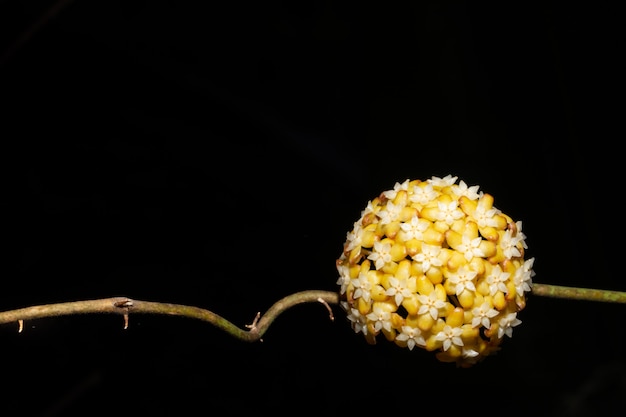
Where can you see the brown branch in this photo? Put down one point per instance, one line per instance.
(126, 306)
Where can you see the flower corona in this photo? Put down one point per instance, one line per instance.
(433, 264)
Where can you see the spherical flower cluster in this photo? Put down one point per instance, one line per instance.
(433, 264)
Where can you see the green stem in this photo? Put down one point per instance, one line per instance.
(574, 293)
(125, 306)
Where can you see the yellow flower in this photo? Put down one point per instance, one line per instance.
(434, 264)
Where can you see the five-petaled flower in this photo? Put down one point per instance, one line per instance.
(344, 278)
(463, 279)
(398, 290)
(450, 336)
(446, 181)
(354, 237)
(381, 318)
(423, 193)
(381, 254)
(484, 214)
(362, 287)
(448, 212)
(412, 336)
(414, 228)
(470, 247)
(429, 256)
(507, 323)
(497, 280)
(509, 244)
(359, 321)
(430, 304)
(469, 192)
(523, 277)
(390, 213)
(391, 194)
(483, 315)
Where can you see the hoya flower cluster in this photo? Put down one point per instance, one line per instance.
(433, 264)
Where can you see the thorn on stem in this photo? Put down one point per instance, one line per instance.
(126, 304)
(330, 311)
(20, 326)
(252, 326)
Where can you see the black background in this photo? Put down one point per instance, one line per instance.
(216, 155)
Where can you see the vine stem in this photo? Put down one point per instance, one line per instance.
(575, 293)
(124, 306)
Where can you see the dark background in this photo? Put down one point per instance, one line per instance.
(216, 155)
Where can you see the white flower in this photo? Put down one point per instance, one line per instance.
(430, 304)
(362, 287)
(483, 315)
(423, 194)
(415, 228)
(463, 279)
(391, 194)
(354, 237)
(484, 216)
(398, 289)
(497, 280)
(448, 212)
(508, 242)
(428, 256)
(469, 353)
(412, 336)
(523, 277)
(518, 226)
(390, 213)
(381, 318)
(507, 323)
(367, 210)
(359, 321)
(344, 277)
(449, 336)
(381, 254)
(442, 182)
(470, 247)
(528, 266)
(463, 190)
